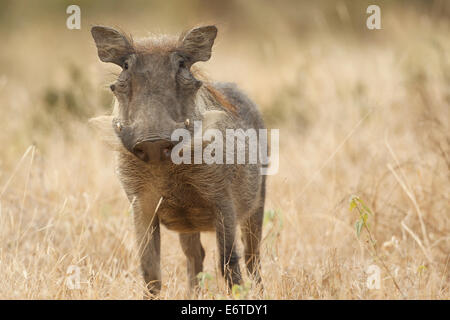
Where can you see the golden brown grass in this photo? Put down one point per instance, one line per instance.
(359, 114)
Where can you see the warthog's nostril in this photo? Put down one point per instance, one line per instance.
(112, 87)
(166, 152)
(140, 153)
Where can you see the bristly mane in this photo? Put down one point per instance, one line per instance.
(221, 99)
(155, 44)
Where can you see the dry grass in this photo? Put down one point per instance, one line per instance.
(359, 114)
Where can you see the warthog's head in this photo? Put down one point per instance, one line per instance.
(156, 88)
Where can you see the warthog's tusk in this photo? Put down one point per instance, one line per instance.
(119, 126)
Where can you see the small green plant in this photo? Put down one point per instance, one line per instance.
(273, 219)
(273, 223)
(363, 224)
(241, 291)
(421, 269)
(203, 279)
(364, 212)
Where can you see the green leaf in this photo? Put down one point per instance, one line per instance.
(421, 269)
(203, 278)
(269, 216)
(236, 291)
(364, 217)
(358, 225)
(353, 202)
(366, 208)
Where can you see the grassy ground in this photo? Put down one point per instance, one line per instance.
(360, 112)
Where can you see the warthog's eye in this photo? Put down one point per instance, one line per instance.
(125, 66)
(181, 64)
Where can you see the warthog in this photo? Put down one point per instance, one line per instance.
(158, 91)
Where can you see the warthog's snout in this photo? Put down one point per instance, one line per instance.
(153, 151)
(152, 148)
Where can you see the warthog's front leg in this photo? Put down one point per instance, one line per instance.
(226, 242)
(251, 237)
(148, 242)
(195, 254)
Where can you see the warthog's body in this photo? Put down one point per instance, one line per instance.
(187, 198)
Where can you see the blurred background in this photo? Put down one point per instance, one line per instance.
(361, 112)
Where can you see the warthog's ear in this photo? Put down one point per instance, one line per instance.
(196, 44)
(112, 45)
